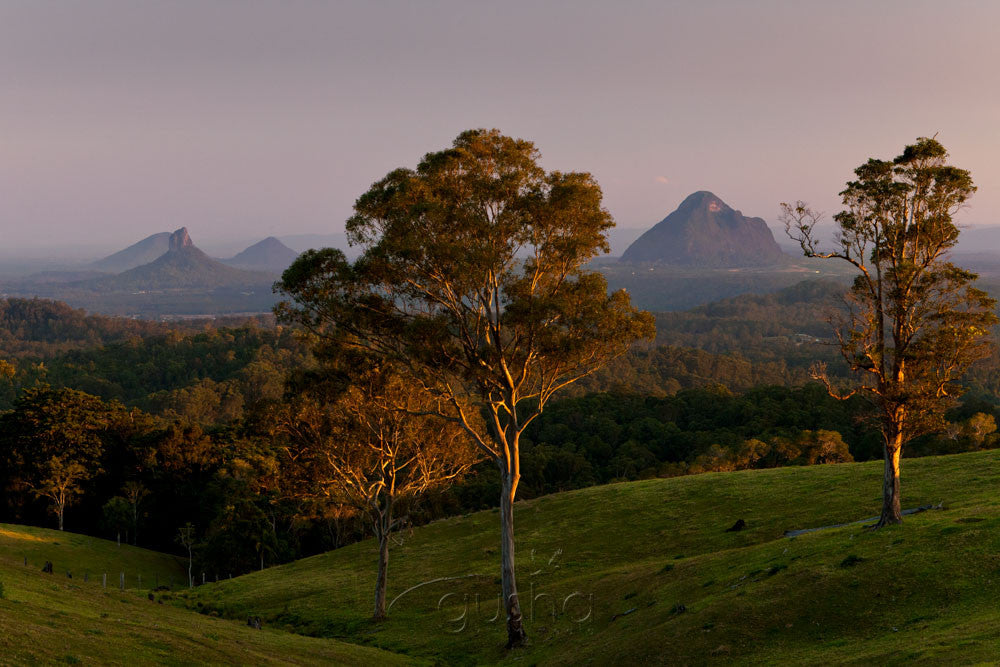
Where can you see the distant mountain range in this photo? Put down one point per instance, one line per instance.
(171, 260)
(182, 266)
(705, 232)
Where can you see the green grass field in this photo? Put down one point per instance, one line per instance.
(51, 618)
(645, 572)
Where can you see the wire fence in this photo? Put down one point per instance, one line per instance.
(123, 579)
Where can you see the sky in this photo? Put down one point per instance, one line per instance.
(241, 119)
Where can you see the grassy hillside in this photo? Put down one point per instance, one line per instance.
(646, 571)
(82, 555)
(50, 618)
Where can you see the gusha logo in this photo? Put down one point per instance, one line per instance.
(576, 608)
(465, 610)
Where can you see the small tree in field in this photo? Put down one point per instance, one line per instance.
(134, 492)
(914, 322)
(367, 451)
(473, 279)
(186, 538)
(117, 517)
(60, 484)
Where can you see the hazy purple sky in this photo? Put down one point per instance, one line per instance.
(242, 119)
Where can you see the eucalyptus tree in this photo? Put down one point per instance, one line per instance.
(186, 538)
(366, 450)
(473, 278)
(914, 322)
(134, 492)
(53, 443)
(59, 483)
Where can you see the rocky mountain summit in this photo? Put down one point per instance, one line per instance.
(180, 240)
(705, 231)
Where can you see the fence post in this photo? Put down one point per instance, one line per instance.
(121, 581)
(104, 580)
(140, 581)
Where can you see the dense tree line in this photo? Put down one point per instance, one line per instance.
(663, 288)
(128, 475)
(144, 477)
(44, 328)
(664, 370)
(207, 377)
(216, 375)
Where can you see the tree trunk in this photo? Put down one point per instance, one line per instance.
(515, 629)
(891, 511)
(59, 512)
(380, 580)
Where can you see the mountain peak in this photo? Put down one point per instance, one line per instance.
(180, 239)
(704, 199)
(268, 255)
(705, 231)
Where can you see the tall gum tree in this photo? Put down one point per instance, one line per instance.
(914, 323)
(473, 277)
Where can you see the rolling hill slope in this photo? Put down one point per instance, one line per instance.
(50, 618)
(646, 572)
